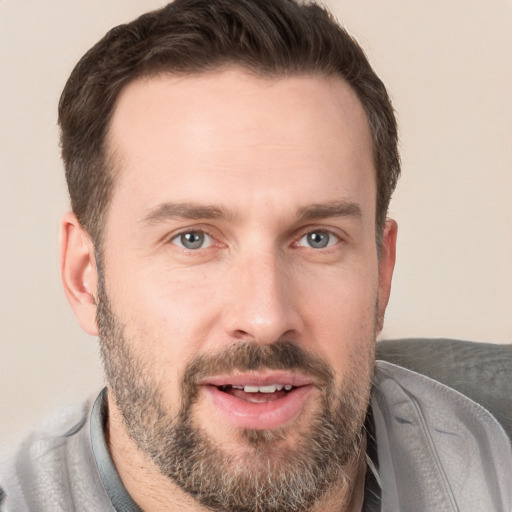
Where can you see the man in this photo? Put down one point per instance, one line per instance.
(230, 164)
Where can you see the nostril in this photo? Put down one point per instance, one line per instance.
(243, 336)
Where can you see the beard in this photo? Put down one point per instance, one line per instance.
(270, 474)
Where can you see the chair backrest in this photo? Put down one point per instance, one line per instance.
(481, 371)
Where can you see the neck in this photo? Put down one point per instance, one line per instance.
(348, 496)
(153, 492)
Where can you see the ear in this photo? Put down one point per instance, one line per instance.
(78, 272)
(386, 267)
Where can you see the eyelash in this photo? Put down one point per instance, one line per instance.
(333, 240)
(199, 231)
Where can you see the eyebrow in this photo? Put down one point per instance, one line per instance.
(169, 211)
(329, 210)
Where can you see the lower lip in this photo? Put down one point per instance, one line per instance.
(260, 416)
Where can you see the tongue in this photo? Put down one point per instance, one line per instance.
(257, 398)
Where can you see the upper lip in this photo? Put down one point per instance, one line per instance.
(266, 378)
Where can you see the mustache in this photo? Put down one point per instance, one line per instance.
(252, 356)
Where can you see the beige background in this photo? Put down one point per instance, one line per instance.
(448, 66)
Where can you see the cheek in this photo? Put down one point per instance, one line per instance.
(169, 316)
(341, 314)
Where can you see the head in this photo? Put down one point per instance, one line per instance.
(267, 38)
(230, 165)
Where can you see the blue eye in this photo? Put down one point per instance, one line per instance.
(318, 239)
(193, 240)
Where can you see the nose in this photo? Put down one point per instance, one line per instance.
(264, 306)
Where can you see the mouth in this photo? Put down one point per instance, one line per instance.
(258, 402)
(257, 394)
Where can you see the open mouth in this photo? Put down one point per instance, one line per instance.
(257, 394)
(258, 401)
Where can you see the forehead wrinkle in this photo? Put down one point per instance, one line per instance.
(169, 211)
(330, 209)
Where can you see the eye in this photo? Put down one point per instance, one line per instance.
(193, 240)
(319, 239)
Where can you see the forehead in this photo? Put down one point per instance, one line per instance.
(229, 134)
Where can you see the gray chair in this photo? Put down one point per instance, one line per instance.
(481, 371)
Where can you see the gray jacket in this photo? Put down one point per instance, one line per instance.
(436, 451)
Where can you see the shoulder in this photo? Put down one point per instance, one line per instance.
(440, 443)
(401, 386)
(480, 371)
(50, 467)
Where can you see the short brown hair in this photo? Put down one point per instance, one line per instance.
(268, 37)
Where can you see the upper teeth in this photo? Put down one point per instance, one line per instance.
(271, 388)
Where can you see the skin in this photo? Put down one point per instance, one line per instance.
(265, 153)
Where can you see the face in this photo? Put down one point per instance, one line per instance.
(241, 290)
